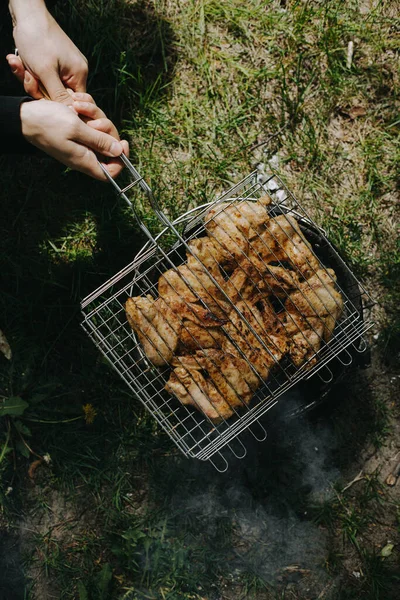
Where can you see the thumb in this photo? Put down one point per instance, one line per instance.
(16, 66)
(100, 142)
(55, 88)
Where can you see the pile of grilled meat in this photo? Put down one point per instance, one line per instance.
(277, 300)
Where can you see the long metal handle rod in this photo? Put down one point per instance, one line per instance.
(137, 180)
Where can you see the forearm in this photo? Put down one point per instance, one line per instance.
(21, 9)
(46, 51)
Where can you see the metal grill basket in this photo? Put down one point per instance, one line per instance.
(105, 320)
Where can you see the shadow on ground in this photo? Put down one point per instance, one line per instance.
(55, 367)
(40, 202)
(257, 519)
(12, 579)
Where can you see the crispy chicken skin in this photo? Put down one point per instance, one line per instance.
(197, 361)
(209, 250)
(316, 297)
(193, 289)
(306, 341)
(156, 325)
(249, 278)
(233, 225)
(194, 337)
(262, 342)
(192, 294)
(213, 381)
(191, 388)
(223, 372)
(284, 241)
(204, 253)
(311, 314)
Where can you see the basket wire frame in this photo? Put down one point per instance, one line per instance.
(105, 320)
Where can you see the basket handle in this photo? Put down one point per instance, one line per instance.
(137, 179)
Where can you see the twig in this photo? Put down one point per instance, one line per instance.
(5, 445)
(295, 569)
(59, 421)
(323, 593)
(271, 137)
(23, 440)
(350, 51)
(359, 477)
(32, 468)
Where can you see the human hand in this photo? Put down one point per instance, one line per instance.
(30, 83)
(61, 133)
(46, 52)
(93, 116)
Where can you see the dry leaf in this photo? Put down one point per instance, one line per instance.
(32, 469)
(352, 112)
(356, 111)
(5, 346)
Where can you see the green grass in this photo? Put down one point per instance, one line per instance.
(197, 87)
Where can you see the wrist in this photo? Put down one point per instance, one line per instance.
(21, 9)
(27, 116)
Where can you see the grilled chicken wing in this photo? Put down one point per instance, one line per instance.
(156, 325)
(317, 297)
(193, 289)
(213, 381)
(204, 253)
(284, 241)
(192, 294)
(222, 370)
(194, 337)
(191, 388)
(311, 315)
(232, 224)
(306, 341)
(198, 361)
(263, 342)
(249, 278)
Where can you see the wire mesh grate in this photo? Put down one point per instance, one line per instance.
(193, 431)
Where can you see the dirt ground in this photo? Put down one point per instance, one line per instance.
(272, 535)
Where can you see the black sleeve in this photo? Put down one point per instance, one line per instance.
(12, 140)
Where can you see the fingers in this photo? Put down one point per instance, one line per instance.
(105, 125)
(85, 161)
(114, 166)
(55, 88)
(30, 83)
(100, 142)
(82, 97)
(80, 76)
(16, 66)
(89, 165)
(81, 83)
(88, 109)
